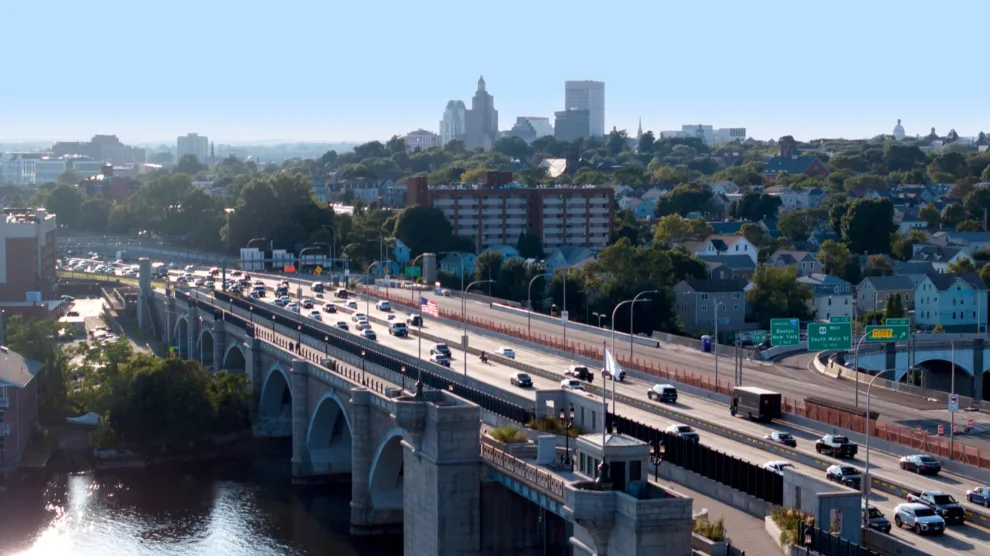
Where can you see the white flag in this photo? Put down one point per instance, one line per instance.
(611, 365)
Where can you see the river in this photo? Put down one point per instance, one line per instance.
(216, 508)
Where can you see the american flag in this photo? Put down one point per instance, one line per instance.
(429, 307)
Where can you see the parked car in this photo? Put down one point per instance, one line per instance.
(941, 503)
(836, 446)
(662, 393)
(979, 495)
(922, 464)
(506, 352)
(875, 518)
(522, 380)
(920, 518)
(777, 466)
(329, 308)
(684, 431)
(783, 438)
(571, 384)
(845, 475)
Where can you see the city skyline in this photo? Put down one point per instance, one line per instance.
(763, 69)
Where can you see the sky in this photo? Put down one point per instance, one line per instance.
(310, 70)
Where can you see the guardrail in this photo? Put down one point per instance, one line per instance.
(544, 481)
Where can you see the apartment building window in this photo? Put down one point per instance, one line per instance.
(3, 416)
(735, 307)
(3, 394)
(735, 295)
(704, 308)
(704, 297)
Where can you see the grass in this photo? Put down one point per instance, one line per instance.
(554, 426)
(510, 434)
(711, 530)
(105, 278)
(789, 520)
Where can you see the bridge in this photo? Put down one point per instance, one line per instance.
(354, 414)
(935, 357)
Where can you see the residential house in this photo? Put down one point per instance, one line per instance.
(873, 291)
(622, 191)
(831, 296)
(939, 257)
(865, 194)
(401, 252)
(568, 257)
(722, 245)
(722, 187)
(696, 301)
(727, 267)
(974, 240)
(653, 194)
(805, 262)
(727, 227)
(641, 210)
(18, 406)
(717, 206)
(907, 219)
(956, 301)
(508, 252)
(457, 262)
(790, 162)
(796, 198)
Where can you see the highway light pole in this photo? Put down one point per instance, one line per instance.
(367, 297)
(952, 414)
(412, 293)
(715, 343)
(621, 303)
(866, 470)
(464, 340)
(631, 309)
(299, 269)
(856, 367)
(529, 298)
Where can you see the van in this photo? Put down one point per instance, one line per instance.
(398, 329)
(317, 287)
(662, 393)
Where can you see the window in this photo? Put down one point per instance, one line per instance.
(704, 297)
(735, 307)
(735, 295)
(704, 308)
(2, 416)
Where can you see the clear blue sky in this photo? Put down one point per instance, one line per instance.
(331, 70)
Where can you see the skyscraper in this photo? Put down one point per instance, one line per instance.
(454, 122)
(482, 120)
(590, 96)
(193, 144)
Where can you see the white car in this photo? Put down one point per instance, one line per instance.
(292, 307)
(506, 352)
(683, 431)
(190, 268)
(777, 466)
(281, 302)
(383, 305)
(571, 384)
(920, 518)
(352, 304)
(363, 325)
(358, 317)
(315, 315)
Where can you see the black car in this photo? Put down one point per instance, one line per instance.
(521, 380)
(415, 321)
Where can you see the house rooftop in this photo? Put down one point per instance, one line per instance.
(15, 369)
(717, 286)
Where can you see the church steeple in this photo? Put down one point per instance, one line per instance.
(481, 83)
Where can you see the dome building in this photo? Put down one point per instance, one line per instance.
(899, 131)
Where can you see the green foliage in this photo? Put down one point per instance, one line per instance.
(776, 293)
(38, 340)
(711, 530)
(834, 256)
(425, 230)
(961, 265)
(798, 225)
(895, 308)
(930, 214)
(867, 225)
(529, 246)
(683, 199)
(755, 207)
(673, 230)
(509, 434)
(789, 521)
(554, 426)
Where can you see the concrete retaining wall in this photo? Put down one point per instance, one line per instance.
(604, 332)
(886, 544)
(727, 495)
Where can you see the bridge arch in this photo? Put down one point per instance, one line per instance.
(234, 359)
(937, 375)
(205, 347)
(181, 336)
(385, 480)
(328, 437)
(276, 394)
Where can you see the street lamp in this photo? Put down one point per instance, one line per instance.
(412, 293)
(631, 309)
(326, 346)
(299, 269)
(866, 471)
(273, 324)
(364, 376)
(299, 339)
(599, 315)
(403, 378)
(464, 317)
(529, 297)
(656, 458)
(621, 303)
(567, 421)
(367, 298)
(715, 343)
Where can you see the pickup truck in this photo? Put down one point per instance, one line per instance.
(579, 372)
(944, 505)
(836, 446)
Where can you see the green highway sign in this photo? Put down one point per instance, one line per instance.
(887, 333)
(412, 271)
(829, 336)
(785, 332)
(897, 322)
(839, 320)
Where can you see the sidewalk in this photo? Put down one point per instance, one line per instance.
(747, 532)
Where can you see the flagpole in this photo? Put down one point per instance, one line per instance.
(604, 401)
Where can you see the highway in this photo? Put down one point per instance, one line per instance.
(957, 539)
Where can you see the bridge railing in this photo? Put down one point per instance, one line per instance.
(543, 480)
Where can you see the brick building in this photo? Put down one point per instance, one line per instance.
(497, 211)
(18, 406)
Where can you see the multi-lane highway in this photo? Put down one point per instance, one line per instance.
(958, 538)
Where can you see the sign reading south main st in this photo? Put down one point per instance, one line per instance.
(829, 336)
(887, 333)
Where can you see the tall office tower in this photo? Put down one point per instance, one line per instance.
(454, 122)
(590, 96)
(195, 145)
(482, 120)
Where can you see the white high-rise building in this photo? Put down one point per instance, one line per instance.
(454, 123)
(590, 96)
(193, 144)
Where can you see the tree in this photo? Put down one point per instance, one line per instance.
(674, 230)
(37, 340)
(68, 177)
(877, 265)
(65, 201)
(683, 199)
(952, 214)
(645, 144)
(930, 214)
(970, 226)
(755, 207)
(424, 230)
(985, 274)
(776, 293)
(961, 266)
(529, 246)
(870, 182)
(798, 225)
(754, 234)
(835, 215)
(867, 225)
(190, 164)
(94, 215)
(834, 256)
(976, 203)
(894, 308)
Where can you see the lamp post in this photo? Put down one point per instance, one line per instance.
(403, 378)
(631, 309)
(529, 298)
(621, 303)
(273, 324)
(248, 246)
(412, 293)
(326, 346)
(299, 269)
(201, 341)
(567, 421)
(715, 343)
(464, 318)
(952, 415)
(656, 458)
(299, 339)
(367, 298)
(364, 376)
(599, 315)
(866, 470)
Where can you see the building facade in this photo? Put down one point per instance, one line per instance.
(194, 144)
(18, 406)
(571, 124)
(102, 148)
(696, 300)
(421, 140)
(530, 128)
(497, 212)
(482, 120)
(454, 123)
(27, 255)
(590, 96)
(957, 302)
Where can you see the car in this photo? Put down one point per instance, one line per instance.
(281, 302)
(571, 384)
(383, 305)
(190, 268)
(777, 466)
(283, 284)
(214, 271)
(783, 438)
(199, 283)
(662, 393)
(440, 359)
(508, 353)
(979, 495)
(845, 475)
(259, 283)
(363, 325)
(414, 320)
(315, 315)
(442, 349)
(68, 298)
(357, 317)
(522, 380)
(340, 293)
(922, 464)
(352, 304)
(836, 446)
(235, 273)
(580, 372)
(307, 303)
(876, 519)
(920, 518)
(398, 329)
(318, 295)
(341, 325)
(683, 431)
(294, 307)
(369, 334)
(255, 295)
(329, 308)
(944, 505)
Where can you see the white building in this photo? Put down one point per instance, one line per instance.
(194, 144)
(726, 135)
(590, 96)
(542, 126)
(708, 134)
(86, 168)
(422, 140)
(454, 123)
(23, 170)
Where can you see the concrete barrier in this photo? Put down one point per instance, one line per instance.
(887, 544)
(604, 332)
(725, 494)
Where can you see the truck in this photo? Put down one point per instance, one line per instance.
(123, 257)
(836, 446)
(944, 505)
(580, 372)
(755, 403)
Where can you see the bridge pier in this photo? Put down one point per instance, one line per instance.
(219, 343)
(256, 376)
(301, 465)
(170, 320)
(192, 334)
(978, 368)
(362, 509)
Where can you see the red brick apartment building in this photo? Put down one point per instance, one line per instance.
(27, 262)
(496, 211)
(18, 406)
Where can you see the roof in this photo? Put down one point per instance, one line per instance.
(791, 165)
(791, 256)
(572, 255)
(614, 440)
(727, 227)
(452, 259)
(741, 262)
(555, 166)
(889, 283)
(967, 237)
(945, 281)
(716, 286)
(15, 369)
(934, 254)
(913, 267)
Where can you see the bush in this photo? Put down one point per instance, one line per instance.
(508, 435)
(789, 521)
(554, 426)
(711, 530)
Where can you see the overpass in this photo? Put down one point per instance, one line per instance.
(934, 357)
